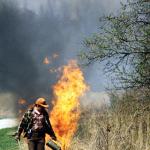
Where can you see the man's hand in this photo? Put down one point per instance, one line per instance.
(17, 137)
(54, 138)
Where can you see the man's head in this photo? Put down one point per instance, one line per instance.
(41, 104)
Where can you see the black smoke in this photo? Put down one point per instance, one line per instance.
(27, 37)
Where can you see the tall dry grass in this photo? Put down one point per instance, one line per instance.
(125, 125)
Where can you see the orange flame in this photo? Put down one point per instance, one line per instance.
(66, 107)
(46, 61)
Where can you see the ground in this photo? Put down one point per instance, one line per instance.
(7, 142)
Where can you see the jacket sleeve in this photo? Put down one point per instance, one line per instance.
(49, 129)
(23, 124)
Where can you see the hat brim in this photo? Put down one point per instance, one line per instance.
(45, 106)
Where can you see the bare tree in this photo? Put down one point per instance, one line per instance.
(123, 45)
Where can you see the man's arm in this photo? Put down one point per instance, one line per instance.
(22, 125)
(50, 130)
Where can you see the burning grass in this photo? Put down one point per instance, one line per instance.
(104, 128)
(66, 106)
(125, 125)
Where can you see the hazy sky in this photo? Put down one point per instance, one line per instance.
(34, 29)
(108, 5)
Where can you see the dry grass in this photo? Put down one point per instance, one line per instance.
(123, 127)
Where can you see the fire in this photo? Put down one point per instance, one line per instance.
(46, 61)
(66, 106)
(49, 60)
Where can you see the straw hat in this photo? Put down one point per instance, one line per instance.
(41, 102)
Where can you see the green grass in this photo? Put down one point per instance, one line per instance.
(7, 142)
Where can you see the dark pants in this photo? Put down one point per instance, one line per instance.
(36, 145)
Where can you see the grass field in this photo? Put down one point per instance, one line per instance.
(7, 142)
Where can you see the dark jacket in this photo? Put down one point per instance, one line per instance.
(26, 124)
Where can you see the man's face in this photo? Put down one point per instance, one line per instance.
(40, 108)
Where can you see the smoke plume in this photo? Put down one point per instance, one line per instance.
(31, 31)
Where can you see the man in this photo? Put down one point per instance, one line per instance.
(35, 124)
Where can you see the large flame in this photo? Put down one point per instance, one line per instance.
(66, 112)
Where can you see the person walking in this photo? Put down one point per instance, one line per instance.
(35, 124)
